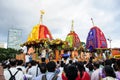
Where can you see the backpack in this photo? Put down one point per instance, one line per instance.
(54, 77)
(12, 76)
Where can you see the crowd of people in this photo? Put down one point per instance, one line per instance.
(64, 69)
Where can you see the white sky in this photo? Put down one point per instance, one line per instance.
(24, 14)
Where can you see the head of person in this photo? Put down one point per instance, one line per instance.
(90, 67)
(70, 61)
(108, 62)
(43, 67)
(71, 72)
(62, 64)
(51, 66)
(108, 70)
(20, 62)
(58, 62)
(12, 62)
(96, 65)
(33, 63)
(81, 68)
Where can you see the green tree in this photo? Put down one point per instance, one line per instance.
(7, 53)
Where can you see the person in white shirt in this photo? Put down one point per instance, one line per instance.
(43, 70)
(96, 74)
(34, 70)
(13, 70)
(20, 66)
(51, 67)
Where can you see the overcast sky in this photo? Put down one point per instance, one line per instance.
(24, 14)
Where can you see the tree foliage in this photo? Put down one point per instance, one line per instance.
(7, 53)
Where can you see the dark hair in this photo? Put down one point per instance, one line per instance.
(71, 72)
(81, 68)
(58, 62)
(109, 71)
(62, 64)
(91, 59)
(51, 66)
(43, 59)
(108, 62)
(12, 62)
(19, 62)
(43, 67)
(70, 61)
(90, 67)
(96, 64)
(33, 63)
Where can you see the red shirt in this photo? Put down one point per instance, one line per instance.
(85, 76)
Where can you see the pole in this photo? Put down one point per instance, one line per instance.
(110, 40)
(41, 16)
(92, 21)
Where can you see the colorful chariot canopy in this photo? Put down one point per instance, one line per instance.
(72, 38)
(96, 38)
(40, 31)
